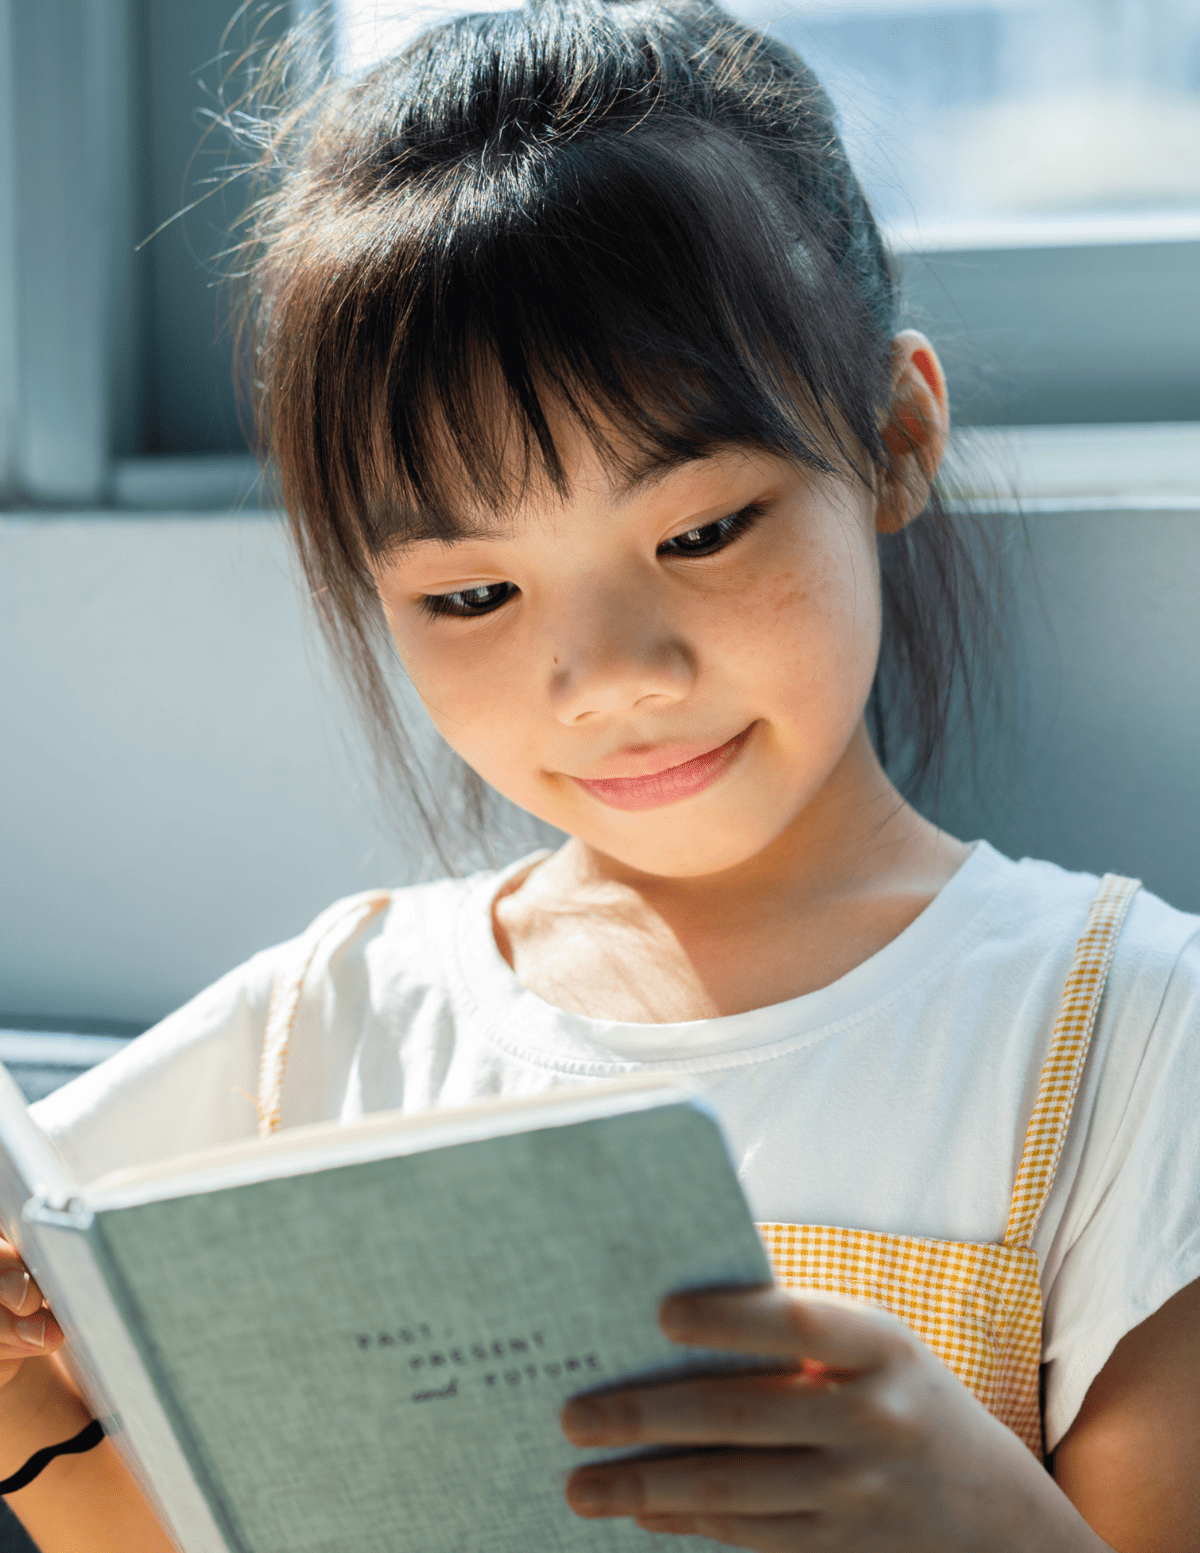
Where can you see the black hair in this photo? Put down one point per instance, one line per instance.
(641, 209)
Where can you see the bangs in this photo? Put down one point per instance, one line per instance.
(653, 283)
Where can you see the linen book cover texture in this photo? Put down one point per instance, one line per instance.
(373, 1357)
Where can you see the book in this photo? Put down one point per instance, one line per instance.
(356, 1338)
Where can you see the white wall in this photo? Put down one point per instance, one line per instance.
(1106, 775)
(179, 784)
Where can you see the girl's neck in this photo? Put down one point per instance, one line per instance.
(852, 871)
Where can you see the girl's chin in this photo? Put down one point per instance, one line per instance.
(683, 850)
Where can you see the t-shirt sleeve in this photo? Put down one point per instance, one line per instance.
(1130, 1236)
(189, 1083)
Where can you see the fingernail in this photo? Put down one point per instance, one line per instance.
(594, 1492)
(582, 1419)
(678, 1315)
(32, 1330)
(14, 1286)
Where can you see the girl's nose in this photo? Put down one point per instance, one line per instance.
(609, 660)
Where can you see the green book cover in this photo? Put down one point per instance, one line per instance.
(373, 1356)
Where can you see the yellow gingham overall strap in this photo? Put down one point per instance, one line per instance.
(343, 919)
(1064, 1062)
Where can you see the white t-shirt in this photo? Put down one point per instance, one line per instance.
(895, 1099)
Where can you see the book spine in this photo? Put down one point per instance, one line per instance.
(102, 1356)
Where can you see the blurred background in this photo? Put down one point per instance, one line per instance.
(180, 782)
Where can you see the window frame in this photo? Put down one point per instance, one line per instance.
(1050, 323)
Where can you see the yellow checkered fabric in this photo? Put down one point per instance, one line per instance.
(978, 1306)
(1064, 1061)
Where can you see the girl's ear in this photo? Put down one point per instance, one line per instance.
(915, 432)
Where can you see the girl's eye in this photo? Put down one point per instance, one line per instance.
(469, 602)
(712, 537)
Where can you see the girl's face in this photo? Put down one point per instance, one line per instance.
(671, 673)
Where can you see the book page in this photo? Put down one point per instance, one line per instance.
(375, 1356)
(379, 1135)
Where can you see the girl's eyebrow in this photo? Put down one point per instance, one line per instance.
(652, 471)
(654, 468)
(398, 545)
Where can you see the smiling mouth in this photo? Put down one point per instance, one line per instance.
(670, 785)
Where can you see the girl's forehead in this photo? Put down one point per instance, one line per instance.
(637, 477)
(499, 468)
(600, 463)
(603, 460)
(657, 492)
(652, 485)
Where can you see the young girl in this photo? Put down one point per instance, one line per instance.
(576, 354)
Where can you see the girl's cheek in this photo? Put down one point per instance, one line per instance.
(775, 613)
(808, 642)
(439, 661)
(477, 697)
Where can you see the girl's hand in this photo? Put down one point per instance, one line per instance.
(79, 1504)
(27, 1329)
(861, 1440)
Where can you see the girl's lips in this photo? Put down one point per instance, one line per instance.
(663, 787)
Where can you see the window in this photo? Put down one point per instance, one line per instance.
(1037, 166)
(1036, 163)
(1011, 113)
(111, 352)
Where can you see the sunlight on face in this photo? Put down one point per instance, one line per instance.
(673, 677)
